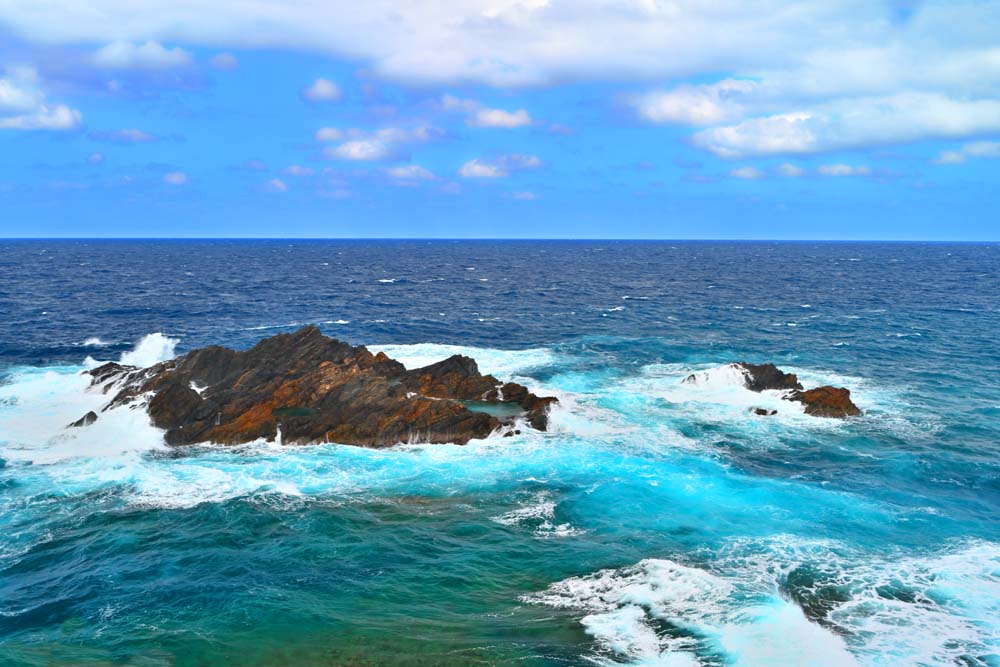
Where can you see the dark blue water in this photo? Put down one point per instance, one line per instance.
(660, 524)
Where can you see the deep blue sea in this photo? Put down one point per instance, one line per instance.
(658, 523)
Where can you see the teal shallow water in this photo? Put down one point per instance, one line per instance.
(657, 524)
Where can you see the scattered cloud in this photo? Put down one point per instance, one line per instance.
(126, 136)
(843, 170)
(790, 170)
(696, 105)
(254, 165)
(299, 170)
(383, 144)
(499, 118)
(123, 55)
(276, 185)
(411, 172)
(225, 62)
(477, 168)
(95, 158)
(321, 90)
(500, 167)
(747, 173)
(24, 105)
(976, 149)
(175, 178)
(524, 195)
(483, 116)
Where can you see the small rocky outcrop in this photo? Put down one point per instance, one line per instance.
(825, 401)
(85, 420)
(305, 387)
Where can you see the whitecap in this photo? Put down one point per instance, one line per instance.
(150, 350)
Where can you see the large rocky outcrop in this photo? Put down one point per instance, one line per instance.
(304, 387)
(825, 401)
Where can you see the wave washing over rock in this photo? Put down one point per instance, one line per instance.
(825, 401)
(305, 387)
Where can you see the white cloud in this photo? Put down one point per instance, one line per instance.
(96, 158)
(59, 117)
(477, 168)
(790, 170)
(150, 55)
(361, 149)
(499, 118)
(843, 170)
(23, 104)
(276, 185)
(299, 170)
(696, 105)
(853, 123)
(225, 61)
(483, 116)
(382, 144)
(499, 167)
(175, 178)
(410, 172)
(747, 173)
(525, 195)
(321, 90)
(815, 57)
(976, 149)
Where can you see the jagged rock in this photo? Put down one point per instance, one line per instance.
(305, 387)
(763, 412)
(85, 420)
(764, 377)
(827, 401)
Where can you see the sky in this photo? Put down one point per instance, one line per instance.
(730, 119)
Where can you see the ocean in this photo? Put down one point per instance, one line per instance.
(657, 523)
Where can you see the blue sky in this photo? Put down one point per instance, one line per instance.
(501, 118)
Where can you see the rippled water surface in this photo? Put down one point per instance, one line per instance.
(658, 523)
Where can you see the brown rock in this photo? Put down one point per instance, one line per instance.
(312, 388)
(827, 401)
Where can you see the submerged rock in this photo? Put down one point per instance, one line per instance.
(305, 387)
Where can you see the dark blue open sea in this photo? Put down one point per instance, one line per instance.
(658, 524)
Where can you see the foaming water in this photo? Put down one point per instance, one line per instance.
(150, 350)
(658, 522)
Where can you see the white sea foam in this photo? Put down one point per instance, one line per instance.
(502, 363)
(709, 614)
(94, 341)
(36, 405)
(895, 609)
(150, 350)
(539, 514)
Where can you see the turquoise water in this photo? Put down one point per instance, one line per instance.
(658, 523)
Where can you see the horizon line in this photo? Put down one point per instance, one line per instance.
(489, 239)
